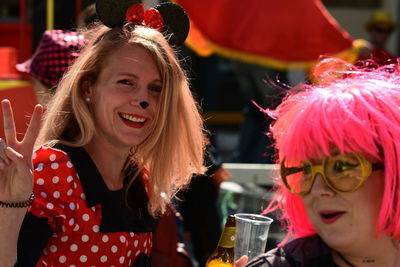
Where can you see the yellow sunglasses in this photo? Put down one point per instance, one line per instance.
(343, 173)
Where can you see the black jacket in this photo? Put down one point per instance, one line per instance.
(308, 251)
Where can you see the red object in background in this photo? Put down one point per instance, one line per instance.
(23, 101)
(8, 60)
(11, 35)
(272, 33)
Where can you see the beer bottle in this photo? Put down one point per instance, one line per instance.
(223, 256)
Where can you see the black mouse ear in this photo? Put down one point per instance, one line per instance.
(176, 22)
(112, 13)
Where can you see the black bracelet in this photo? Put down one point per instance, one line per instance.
(23, 204)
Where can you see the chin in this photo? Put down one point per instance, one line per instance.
(134, 142)
(339, 240)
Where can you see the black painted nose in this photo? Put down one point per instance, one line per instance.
(144, 104)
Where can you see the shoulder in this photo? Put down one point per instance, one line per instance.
(48, 155)
(274, 257)
(56, 184)
(53, 170)
(307, 251)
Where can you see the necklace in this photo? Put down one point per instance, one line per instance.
(344, 259)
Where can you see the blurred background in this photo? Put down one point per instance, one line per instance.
(237, 52)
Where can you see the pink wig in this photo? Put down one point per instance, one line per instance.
(353, 109)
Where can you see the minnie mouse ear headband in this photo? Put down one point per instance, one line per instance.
(168, 18)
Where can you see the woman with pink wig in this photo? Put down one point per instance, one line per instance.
(338, 145)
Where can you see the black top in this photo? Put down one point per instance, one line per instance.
(116, 215)
(308, 251)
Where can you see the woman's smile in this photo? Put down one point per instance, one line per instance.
(133, 120)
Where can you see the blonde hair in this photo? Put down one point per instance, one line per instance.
(174, 149)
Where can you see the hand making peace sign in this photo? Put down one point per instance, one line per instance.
(16, 170)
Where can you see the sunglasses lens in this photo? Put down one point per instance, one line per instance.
(298, 179)
(344, 172)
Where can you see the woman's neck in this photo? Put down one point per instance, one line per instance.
(383, 252)
(109, 161)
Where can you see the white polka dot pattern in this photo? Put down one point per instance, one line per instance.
(39, 167)
(56, 194)
(74, 247)
(52, 157)
(55, 179)
(62, 259)
(85, 217)
(54, 166)
(83, 258)
(79, 242)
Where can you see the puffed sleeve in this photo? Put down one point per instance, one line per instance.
(54, 184)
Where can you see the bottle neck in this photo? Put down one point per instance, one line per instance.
(227, 239)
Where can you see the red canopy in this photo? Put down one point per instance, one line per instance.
(282, 34)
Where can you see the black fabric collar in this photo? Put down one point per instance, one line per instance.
(116, 216)
(309, 251)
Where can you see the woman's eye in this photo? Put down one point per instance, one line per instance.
(156, 88)
(341, 166)
(125, 82)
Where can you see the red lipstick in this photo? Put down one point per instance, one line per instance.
(127, 120)
(330, 216)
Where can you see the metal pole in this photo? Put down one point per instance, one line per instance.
(22, 29)
(50, 15)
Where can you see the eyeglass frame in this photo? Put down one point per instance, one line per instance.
(366, 167)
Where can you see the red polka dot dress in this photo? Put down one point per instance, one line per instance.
(82, 235)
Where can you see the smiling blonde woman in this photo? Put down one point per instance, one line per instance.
(121, 135)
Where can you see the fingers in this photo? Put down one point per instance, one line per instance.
(4, 160)
(15, 157)
(242, 261)
(34, 127)
(8, 118)
(8, 155)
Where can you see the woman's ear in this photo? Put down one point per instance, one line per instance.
(86, 87)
